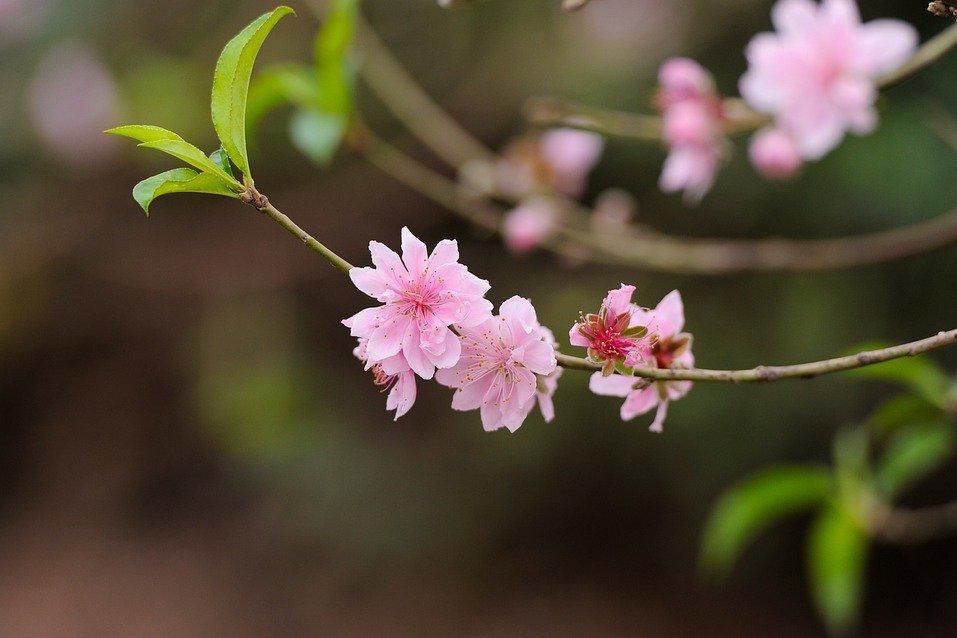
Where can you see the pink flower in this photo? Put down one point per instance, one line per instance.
(572, 155)
(497, 371)
(617, 334)
(547, 384)
(422, 296)
(394, 376)
(774, 154)
(816, 73)
(530, 224)
(671, 350)
(693, 128)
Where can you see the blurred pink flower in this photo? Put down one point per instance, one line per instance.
(497, 373)
(672, 349)
(20, 19)
(692, 128)
(816, 74)
(613, 211)
(774, 154)
(619, 333)
(393, 375)
(547, 384)
(72, 99)
(572, 155)
(531, 223)
(422, 296)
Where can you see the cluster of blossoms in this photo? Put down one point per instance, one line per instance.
(815, 77)
(624, 336)
(434, 322)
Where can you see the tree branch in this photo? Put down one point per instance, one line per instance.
(910, 527)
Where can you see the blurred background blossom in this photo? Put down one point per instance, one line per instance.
(189, 447)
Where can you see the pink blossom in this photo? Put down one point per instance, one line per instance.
(531, 223)
(672, 349)
(502, 360)
(617, 334)
(394, 376)
(572, 155)
(422, 296)
(774, 154)
(693, 128)
(547, 384)
(816, 74)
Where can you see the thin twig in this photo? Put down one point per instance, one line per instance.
(910, 527)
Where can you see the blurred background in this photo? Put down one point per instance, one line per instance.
(188, 447)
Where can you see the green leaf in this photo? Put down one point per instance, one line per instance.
(920, 374)
(836, 558)
(752, 505)
(276, 86)
(194, 157)
(144, 133)
(913, 453)
(901, 410)
(231, 85)
(317, 134)
(178, 180)
(221, 159)
(334, 73)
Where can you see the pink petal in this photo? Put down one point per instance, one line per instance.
(775, 154)
(843, 13)
(616, 385)
(386, 340)
(402, 396)
(412, 350)
(520, 314)
(363, 322)
(445, 252)
(472, 395)
(639, 402)
(884, 45)
(683, 78)
(547, 407)
(794, 17)
(369, 281)
(576, 338)
(571, 152)
(539, 357)
(669, 316)
(390, 266)
(816, 127)
(447, 353)
(414, 253)
(618, 301)
(657, 425)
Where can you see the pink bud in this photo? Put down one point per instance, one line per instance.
(683, 78)
(530, 224)
(775, 154)
(571, 155)
(691, 122)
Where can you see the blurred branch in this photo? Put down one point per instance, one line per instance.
(636, 246)
(554, 112)
(909, 527)
(574, 5)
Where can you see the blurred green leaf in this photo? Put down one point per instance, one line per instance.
(194, 157)
(913, 453)
(144, 133)
(836, 557)
(333, 69)
(901, 410)
(231, 85)
(920, 374)
(178, 180)
(317, 134)
(754, 504)
(294, 83)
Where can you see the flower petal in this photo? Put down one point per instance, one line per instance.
(616, 385)
(414, 254)
(639, 402)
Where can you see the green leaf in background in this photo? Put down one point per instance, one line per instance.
(333, 68)
(144, 133)
(194, 157)
(754, 504)
(178, 180)
(836, 557)
(317, 134)
(911, 454)
(231, 85)
(294, 83)
(898, 411)
(221, 159)
(920, 374)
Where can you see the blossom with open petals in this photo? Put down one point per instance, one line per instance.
(816, 74)
(394, 376)
(502, 360)
(617, 334)
(672, 349)
(693, 128)
(422, 295)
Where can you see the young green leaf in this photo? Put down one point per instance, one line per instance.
(755, 503)
(913, 453)
(898, 411)
(920, 374)
(317, 134)
(221, 159)
(292, 83)
(194, 157)
(231, 85)
(333, 70)
(144, 133)
(836, 557)
(178, 180)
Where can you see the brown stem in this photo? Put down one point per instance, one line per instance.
(910, 527)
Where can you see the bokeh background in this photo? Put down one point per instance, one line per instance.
(188, 448)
